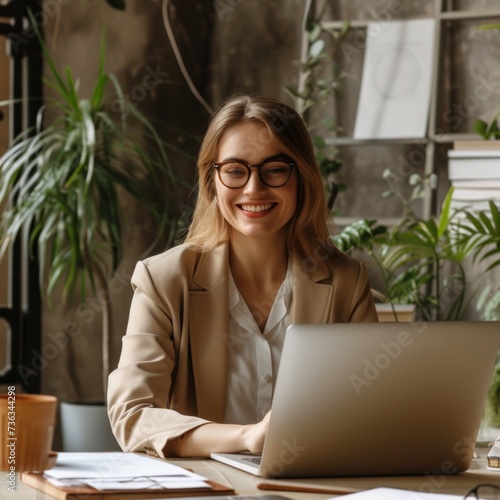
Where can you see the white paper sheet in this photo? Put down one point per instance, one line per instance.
(397, 494)
(126, 471)
(146, 484)
(397, 80)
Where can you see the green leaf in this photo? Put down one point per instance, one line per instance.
(314, 30)
(444, 218)
(330, 166)
(60, 87)
(319, 141)
(489, 27)
(495, 215)
(346, 26)
(481, 127)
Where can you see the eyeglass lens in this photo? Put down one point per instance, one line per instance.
(272, 173)
(484, 492)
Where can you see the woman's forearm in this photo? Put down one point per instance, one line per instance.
(224, 438)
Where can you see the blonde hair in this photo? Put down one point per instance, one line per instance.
(307, 231)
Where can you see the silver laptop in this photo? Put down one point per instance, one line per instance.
(376, 399)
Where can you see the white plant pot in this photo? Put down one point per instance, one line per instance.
(86, 427)
(404, 313)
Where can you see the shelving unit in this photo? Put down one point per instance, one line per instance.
(446, 17)
(20, 315)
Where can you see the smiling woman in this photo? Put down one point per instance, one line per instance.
(259, 203)
(208, 318)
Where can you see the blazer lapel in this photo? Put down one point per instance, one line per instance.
(311, 299)
(208, 333)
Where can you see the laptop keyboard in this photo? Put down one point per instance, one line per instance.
(253, 460)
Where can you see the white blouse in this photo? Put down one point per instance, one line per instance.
(254, 356)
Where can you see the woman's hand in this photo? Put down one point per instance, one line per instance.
(255, 434)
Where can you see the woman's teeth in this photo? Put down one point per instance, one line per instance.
(256, 208)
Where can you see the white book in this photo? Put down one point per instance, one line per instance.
(473, 167)
(469, 194)
(487, 184)
(473, 153)
(476, 206)
(494, 456)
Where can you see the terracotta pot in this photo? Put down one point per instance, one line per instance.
(27, 422)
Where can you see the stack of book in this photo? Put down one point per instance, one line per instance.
(474, 172)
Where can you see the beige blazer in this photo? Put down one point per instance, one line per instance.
(172, 373)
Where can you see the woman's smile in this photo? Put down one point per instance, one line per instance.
(253, 210)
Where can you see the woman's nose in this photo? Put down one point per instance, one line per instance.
(254, 184)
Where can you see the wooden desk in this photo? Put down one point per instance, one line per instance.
(246, 484)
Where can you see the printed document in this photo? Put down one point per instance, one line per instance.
(397, 80)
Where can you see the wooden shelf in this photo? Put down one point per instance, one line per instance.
(433, 140)
(464, 15)
(350, 141)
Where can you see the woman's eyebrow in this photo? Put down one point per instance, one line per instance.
(278, 156)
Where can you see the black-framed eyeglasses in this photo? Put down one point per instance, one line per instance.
(275, 172)
(483, 491)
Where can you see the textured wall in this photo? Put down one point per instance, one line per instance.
(138, 51)
(229, 46)
(220, 61)
(254, 44)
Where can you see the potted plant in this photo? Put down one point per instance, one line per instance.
(484, 229)
(63, 186)
(423, 261)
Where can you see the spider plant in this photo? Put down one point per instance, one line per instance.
(62, 184)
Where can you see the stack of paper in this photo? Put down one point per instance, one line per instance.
(120, 471)
(117, 475)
